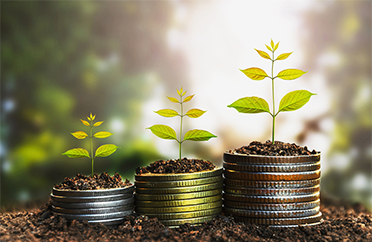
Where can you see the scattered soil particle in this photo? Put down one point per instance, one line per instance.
(176, 166)
(270, 149)
(342, 222)
(81, 182)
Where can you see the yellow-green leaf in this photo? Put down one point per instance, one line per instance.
(98, 123)
(77, 153)
(269, 48)
(188, 98)
(91, 117)
(172, 99)
(80, 134)
(184, 93)
(272, 43)
(102, 134)
(106, 150)
(86, 123)
(290, 74)
(283, 56)
(294, 100)
(276, 46)
(168, 113)
(163, 131)
(250, 105)
(195, 113)
(198, 135)
(263, 54)
(255, 73)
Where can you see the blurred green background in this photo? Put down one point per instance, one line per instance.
(61, 60)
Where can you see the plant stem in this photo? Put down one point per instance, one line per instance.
(91, 145)
(180, 139)
(272, 90)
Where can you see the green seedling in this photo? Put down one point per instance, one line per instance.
(290, 102)
(166, 132)
(102, 151)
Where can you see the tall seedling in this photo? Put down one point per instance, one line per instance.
(290, 102)
(166, 132)
(102, 151)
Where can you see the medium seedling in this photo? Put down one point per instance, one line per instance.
(166, 132)
(290, 102)
(102, 151)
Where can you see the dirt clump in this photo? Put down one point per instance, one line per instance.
(176, 166)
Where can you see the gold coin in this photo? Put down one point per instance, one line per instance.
(282, 221)
(272, 176)
(177, 222)
(273, 206)
(179, 196)
(180, 209)
(182, 183)
(272, 184)
(178, 176)
(262, 159)
(271, 214)
(173, 190)
(271, 199)
(272, 168)
(176, 203)
(201, 213)
(271, 192)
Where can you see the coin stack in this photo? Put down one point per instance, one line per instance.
(176, 199)
(277, 191)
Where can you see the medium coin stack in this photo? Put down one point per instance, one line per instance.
(278, 191)
(176, 199)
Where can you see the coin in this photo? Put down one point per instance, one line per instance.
(271, 199)
(271, 192)
(272, 207)
(89, 199)
(201, 213)
(282, 221)
(179, 196)
(93, 193)
(178, 176)
(103, 216)
(272, 168)
(182, 183)
(173, 190)
(180, 209)
(260, 159)
(175, 203)
(272, 184)
(176, 222)
(271, 214)
(123, 202)
(272, 176)
(82, 211)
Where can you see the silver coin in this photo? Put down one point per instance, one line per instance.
(271, 199)
(272, 176)
(272, 207)
(272, 184)
(271, 214)
(271, 192)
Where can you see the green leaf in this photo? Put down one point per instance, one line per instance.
(106, 150)
(198, 135)
(255, 73)
(168, 113)
(294, 100)
(163, 131)
(102, 134)
(283, 56)
(80, 134)
(290, 74)
(250, 105)
(269, 48)
(98, 123)
(276, 46)
(86, 123)
(272, 43)
(77, 153)
(263, 54)
(172, 99)
(188, 98)
(195, 113)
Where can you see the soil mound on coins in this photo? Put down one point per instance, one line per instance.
(270, 149)
(342, 222)
(103, 181)
(176, 166)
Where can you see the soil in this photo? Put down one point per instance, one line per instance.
(270, 149)
(81, 182)
(176, 166)
(342, 222)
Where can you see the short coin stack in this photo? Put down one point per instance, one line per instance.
(272, 190)
(180, 198)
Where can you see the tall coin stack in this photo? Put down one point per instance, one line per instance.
(176, 199)
(279, 191)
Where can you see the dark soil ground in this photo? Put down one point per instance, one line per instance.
(81, 182)
(176, 166)
(342, 222)
(270, 149)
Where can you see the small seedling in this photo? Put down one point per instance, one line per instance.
(166, 132)
(102, 151)
(290, 102)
